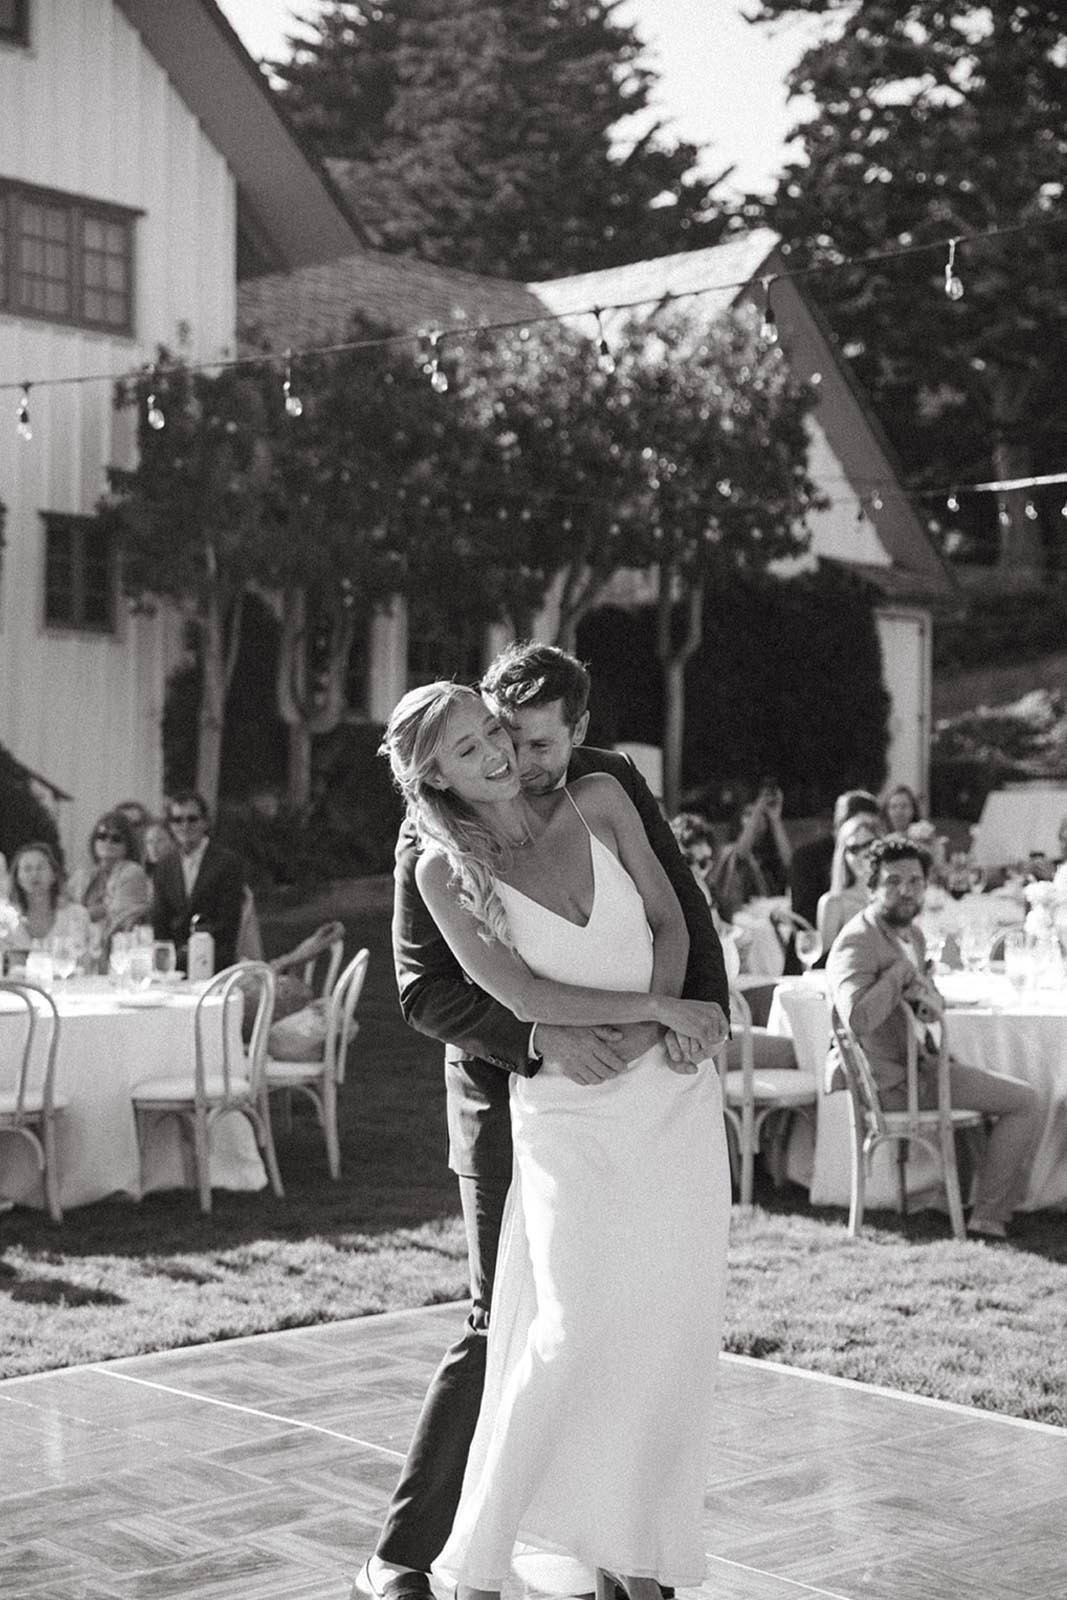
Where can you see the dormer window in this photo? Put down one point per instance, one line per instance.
(65, 259)
(14, 22)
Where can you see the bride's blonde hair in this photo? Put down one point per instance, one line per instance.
(473, 851)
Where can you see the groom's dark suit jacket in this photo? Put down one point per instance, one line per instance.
(485, 1041)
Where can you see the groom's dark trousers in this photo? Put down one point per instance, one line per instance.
(485, 1043)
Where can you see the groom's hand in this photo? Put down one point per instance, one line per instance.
(585, 1055)
(684, 1052)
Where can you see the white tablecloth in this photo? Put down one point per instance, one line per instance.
(1016, 821)
(1026, 1037)
(104, 1050)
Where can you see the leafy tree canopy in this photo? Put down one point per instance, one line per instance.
(485, 134)
(934, 121)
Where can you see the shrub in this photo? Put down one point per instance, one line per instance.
(22, 815)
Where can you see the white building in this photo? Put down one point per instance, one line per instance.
(143, 168)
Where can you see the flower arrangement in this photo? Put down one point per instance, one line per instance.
(1047, 916)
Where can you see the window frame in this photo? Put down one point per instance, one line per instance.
(78, 210)
(18, 34)
(79, 525)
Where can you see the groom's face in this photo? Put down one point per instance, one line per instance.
(543, 742)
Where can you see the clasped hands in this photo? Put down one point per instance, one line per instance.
(591, 1055)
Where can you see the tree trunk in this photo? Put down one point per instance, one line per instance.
(304, 712)
(1020, 557)
(212, 712)
(673, 658)
(298, 765)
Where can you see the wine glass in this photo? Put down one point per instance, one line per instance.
(64, 953)
(1018, 963)
(974, 948)
(976, 878)
(140, 965)
(935, 947)
(807, 943)
(119, 959)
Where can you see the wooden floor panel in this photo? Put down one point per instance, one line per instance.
(259, 1470)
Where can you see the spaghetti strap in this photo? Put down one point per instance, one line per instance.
(578, 808)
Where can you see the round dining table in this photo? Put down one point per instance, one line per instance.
(989, 1025)
(110, 1040)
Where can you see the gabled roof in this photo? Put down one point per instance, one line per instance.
(315, 305)
(284, 191)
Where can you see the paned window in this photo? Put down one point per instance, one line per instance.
(65, 259)
(79, 574)
(14, 21)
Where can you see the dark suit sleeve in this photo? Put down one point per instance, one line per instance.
(705, 974)
(809, 876)
(436, 996)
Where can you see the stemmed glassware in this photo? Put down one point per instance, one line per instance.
(807, 943)
(64, 952)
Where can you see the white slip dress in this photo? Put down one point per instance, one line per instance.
(592, 1441)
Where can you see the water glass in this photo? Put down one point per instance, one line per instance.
(974, 948)
(140, 966)
(119, 960)
(164, 958)
(64, 953)
(1018, 960)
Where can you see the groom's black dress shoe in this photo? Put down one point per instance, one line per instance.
(408, 1586)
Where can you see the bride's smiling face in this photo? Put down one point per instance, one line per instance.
(476, 760)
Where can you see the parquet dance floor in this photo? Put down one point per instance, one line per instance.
(258, 1470)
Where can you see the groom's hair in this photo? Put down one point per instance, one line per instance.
(528, 674)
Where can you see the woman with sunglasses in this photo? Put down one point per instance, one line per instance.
(114, 890)
(847, 894)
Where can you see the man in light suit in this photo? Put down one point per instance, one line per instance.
(201, 879)
(878, 960)
(541, 693)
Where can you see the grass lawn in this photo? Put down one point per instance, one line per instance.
(976, 1323)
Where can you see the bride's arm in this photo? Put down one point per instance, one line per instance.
(504, 975)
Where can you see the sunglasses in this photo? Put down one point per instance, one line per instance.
(178, 818)
(106, 836)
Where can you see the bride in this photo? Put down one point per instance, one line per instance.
(593, 1437)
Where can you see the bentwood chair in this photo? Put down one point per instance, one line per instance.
(28, 1101)
(321, 1079)
(751, 1094)
(872, 1125)
(327, 947)
(229, 1076)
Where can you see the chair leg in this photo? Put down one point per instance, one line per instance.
(51, 1178)
(329, 1127)
(902, 1177)
(857, 1195)
(952, 1182)
(265, 1139)
(202, 1148)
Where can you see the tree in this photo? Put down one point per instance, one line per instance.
(484, 133)
(937, 121)
(188, 518)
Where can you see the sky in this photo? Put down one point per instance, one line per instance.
(721, 79)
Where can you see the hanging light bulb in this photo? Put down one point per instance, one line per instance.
(1031, 511)
(1004, 517)
(1063, 509)
(953, 282)
(23, 413)
(294, 406)
(605, 360)
(432, 365)
(769, 326)
(953, 502)
(154, 413)
(876, 501)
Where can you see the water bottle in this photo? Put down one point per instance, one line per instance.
(201, 958)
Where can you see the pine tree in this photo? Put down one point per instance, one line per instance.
(482, 134)
(937, 121)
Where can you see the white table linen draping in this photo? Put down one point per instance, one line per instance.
(105, 1049)
(1025, 1036)
(1015, 822)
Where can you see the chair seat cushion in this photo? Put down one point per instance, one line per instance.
(280, 1073)
(153, 1090)
(32, 1103)
(786, 1085)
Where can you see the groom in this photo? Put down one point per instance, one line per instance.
(542, 694)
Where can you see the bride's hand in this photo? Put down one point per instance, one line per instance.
(699, 1027)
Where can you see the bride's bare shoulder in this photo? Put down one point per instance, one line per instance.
(598, 794)
(432, 871)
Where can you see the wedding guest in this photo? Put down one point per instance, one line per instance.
(114, 890)
(202, 880)
(138, 816)
(37, 891)
(809, 870)
(847, 893)
(755, 864)
(900, 809)
(158, 843)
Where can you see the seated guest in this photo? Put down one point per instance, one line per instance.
(201, 879)
(755, 865)
(697, 846)
(900, 809)
(114, 890)
(878, 960)
(158, 842)
(37, 892)
(847, 893)
(809, 870)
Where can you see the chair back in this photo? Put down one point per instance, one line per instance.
(36, 1003)
(326, 942)
(860, 1080)
(219, 1014)
(340, 1020)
